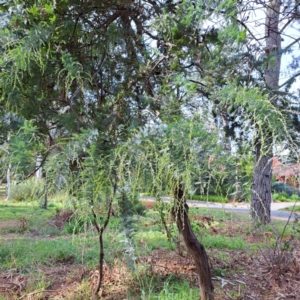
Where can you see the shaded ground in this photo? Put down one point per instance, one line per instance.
(237, 274)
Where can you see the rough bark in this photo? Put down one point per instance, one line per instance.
(194, 247)
(273, 44)
(261, 187)
(261, 184)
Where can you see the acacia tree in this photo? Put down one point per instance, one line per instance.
(72, 65)
(174, 157)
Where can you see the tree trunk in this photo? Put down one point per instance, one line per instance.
(273, 44)
(45, 205)
(261, 183)
(261, 187)
(180, 214)
(8, 183)
(39, 168)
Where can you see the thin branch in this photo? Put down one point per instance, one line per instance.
(159, 61)
(195, 81)
(4, 149)
(86, 81)
(292, 111)
(286, 82)
(291, 44)
(40, 166)
(95, 220)
(151, 35)
(248, 30)
(100, 231)
(286, 24)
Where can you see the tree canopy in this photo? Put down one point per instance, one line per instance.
(106, 89)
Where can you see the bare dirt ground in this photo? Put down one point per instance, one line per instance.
(251, 275)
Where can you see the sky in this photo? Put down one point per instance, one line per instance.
(256, 23)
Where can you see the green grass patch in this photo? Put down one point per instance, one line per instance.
(12, 210)
(222, 242)
(284, 197)
(219, 214)
(25, 254)
(29, 217)
(208, 198)
(295, 209)
(151, 240)
(2, 191)
(158, 287)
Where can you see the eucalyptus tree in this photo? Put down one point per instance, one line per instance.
(281, 35)
(219, 48)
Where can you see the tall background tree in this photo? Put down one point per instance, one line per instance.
(234, 55)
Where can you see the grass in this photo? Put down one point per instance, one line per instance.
(2, 191)
(27, 254)
(15, 210)
(219, 214)
(164, 288)
(295, 209)
(39, 245)
(208, 198)
(222, 242)
(28, 217)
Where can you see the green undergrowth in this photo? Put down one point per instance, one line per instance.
(26, 254)
(2, 191)
(14, 210)
(155, 287)
(219, 214)
(295, 209)
(208, 198)
(277, 197)
(77, 243)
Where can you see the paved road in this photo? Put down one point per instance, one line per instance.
(238, 207)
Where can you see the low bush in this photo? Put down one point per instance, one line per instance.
(295, 198)
(281, 187)
(28, 190)
(77, 224)
(284, 197)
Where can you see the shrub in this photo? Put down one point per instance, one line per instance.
(276, 196)
(78, 224)
(28, 190)
(295, 198)
(130, 206)
(280, 187)
(284, 196)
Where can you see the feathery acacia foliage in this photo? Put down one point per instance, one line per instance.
(90, 74)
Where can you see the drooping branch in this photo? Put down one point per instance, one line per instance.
(289, 80)
(86, 81)
(291, 45)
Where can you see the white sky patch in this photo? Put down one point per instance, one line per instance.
(255, 21)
